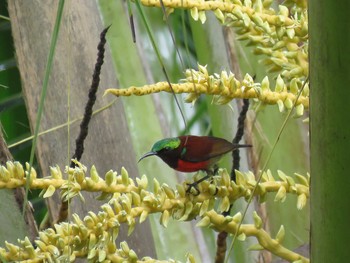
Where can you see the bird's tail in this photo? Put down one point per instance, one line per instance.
(242, 146)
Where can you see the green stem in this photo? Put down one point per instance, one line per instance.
(329, 130)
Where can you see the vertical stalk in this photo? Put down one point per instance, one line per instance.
(330, 130)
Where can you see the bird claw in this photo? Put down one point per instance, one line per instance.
(195, 186)
(215, 169)
(210, 174)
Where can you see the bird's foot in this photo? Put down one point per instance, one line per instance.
(213, 173)
(195, 186)
(215, 170)
(210, 174)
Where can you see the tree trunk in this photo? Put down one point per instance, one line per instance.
(330, 130)
(108, 143)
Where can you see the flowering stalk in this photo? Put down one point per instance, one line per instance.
(93, 237)
(281, 35)
(225, 190)
(265, 241)
(225, 87)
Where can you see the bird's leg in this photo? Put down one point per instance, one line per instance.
(195, 184)
(210, 174)
(216, 169)
(214, 172)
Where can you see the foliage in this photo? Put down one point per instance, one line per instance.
(282, 38)
(280, 35)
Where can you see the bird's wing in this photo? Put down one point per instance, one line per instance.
(202, 148)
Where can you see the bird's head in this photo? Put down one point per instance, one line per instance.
(163, 148)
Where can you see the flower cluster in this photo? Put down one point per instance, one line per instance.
(225, 87)
(163, 197)
(94, 236)
(281, 35)
(231, 224)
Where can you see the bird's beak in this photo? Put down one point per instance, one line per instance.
(146, 155)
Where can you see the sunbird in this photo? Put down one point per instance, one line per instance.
(191, 153)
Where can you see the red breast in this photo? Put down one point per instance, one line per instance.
(190, 167)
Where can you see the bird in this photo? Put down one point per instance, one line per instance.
(190, 153)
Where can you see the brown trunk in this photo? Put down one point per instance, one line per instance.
(108, 145)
